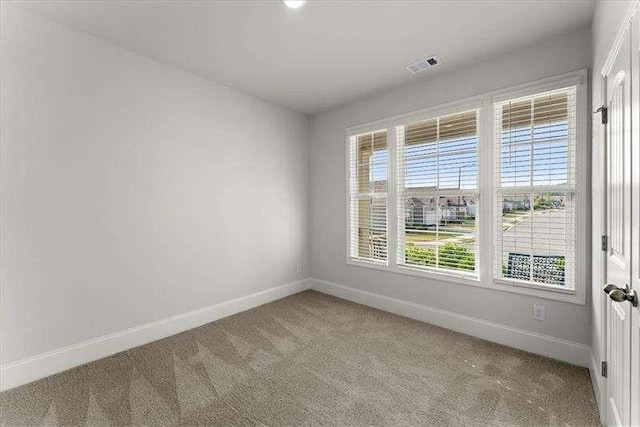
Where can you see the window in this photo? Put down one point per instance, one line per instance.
(437, 193)
(368, 196)
(486, 191)
(535, 189)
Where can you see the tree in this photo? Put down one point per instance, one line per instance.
(542, 202)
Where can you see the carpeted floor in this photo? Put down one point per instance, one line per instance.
(311, 359)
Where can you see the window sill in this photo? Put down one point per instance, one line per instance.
(459, 278)
(539, 291)
(447, 276)
(362, 262)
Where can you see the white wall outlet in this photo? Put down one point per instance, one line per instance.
(538, 312)
(298, 269)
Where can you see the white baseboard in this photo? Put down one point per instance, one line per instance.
(598, 382)
(545, 345)
(42, 365)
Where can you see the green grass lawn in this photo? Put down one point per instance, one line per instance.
(468, 223)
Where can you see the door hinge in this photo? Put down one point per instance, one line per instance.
(604, 116)
(604, 242)
(603, 369)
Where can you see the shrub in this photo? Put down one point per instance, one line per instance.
(420, 256)
(419, 226)
(458, 257)
(450, 256)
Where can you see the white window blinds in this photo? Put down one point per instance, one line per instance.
(535, 189)
(438, 193)
(368, 196)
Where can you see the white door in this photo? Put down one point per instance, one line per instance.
(619, 232)
(635, 282)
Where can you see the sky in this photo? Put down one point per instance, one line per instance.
(457, 167)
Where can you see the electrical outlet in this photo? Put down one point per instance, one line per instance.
(538, 313)
(298, 269)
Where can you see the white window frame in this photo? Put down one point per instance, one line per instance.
(351, 222)
(486, 193)
(429, 115)
(569, 187)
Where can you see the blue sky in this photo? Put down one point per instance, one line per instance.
(549, 160)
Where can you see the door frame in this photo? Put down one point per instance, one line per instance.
(599, 197)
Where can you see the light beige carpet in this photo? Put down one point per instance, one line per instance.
(311, 359)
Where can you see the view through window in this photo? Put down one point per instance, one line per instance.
(500, 209)
(535, 188)
(437, 192)
(368, 196)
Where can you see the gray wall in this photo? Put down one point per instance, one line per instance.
(563, 320)
(132, 191)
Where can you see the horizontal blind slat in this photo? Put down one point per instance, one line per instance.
(367, 196)
(535, 189)
(437, 193)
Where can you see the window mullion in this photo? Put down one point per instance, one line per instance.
(438, 219)
(400, 195)
(531, 194)
(484, 223)
(392, 216)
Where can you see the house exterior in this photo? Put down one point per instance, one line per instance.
(428, 210)
(514, 205)
(421, 211)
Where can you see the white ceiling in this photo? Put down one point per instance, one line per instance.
(324, 54)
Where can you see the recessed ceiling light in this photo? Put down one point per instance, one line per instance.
(294, 4)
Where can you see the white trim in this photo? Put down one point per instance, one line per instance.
(599, 198)
(598, 382)
(367, 262)
(598, 202)
(573, 78)
(392, 191)
(577, 79)
(485, 198)
(364, 129)
(351, 222)
(544, 345)
(537, 291)
(446, 108)
(460, 107)
(465, 105)
(40, 366)
(619, 40)
(533, 285)
(442, 275)
(483, 277)
(350, 178)
(45, 364)
(460, 278)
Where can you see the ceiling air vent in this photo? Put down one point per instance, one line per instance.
(423, 64)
